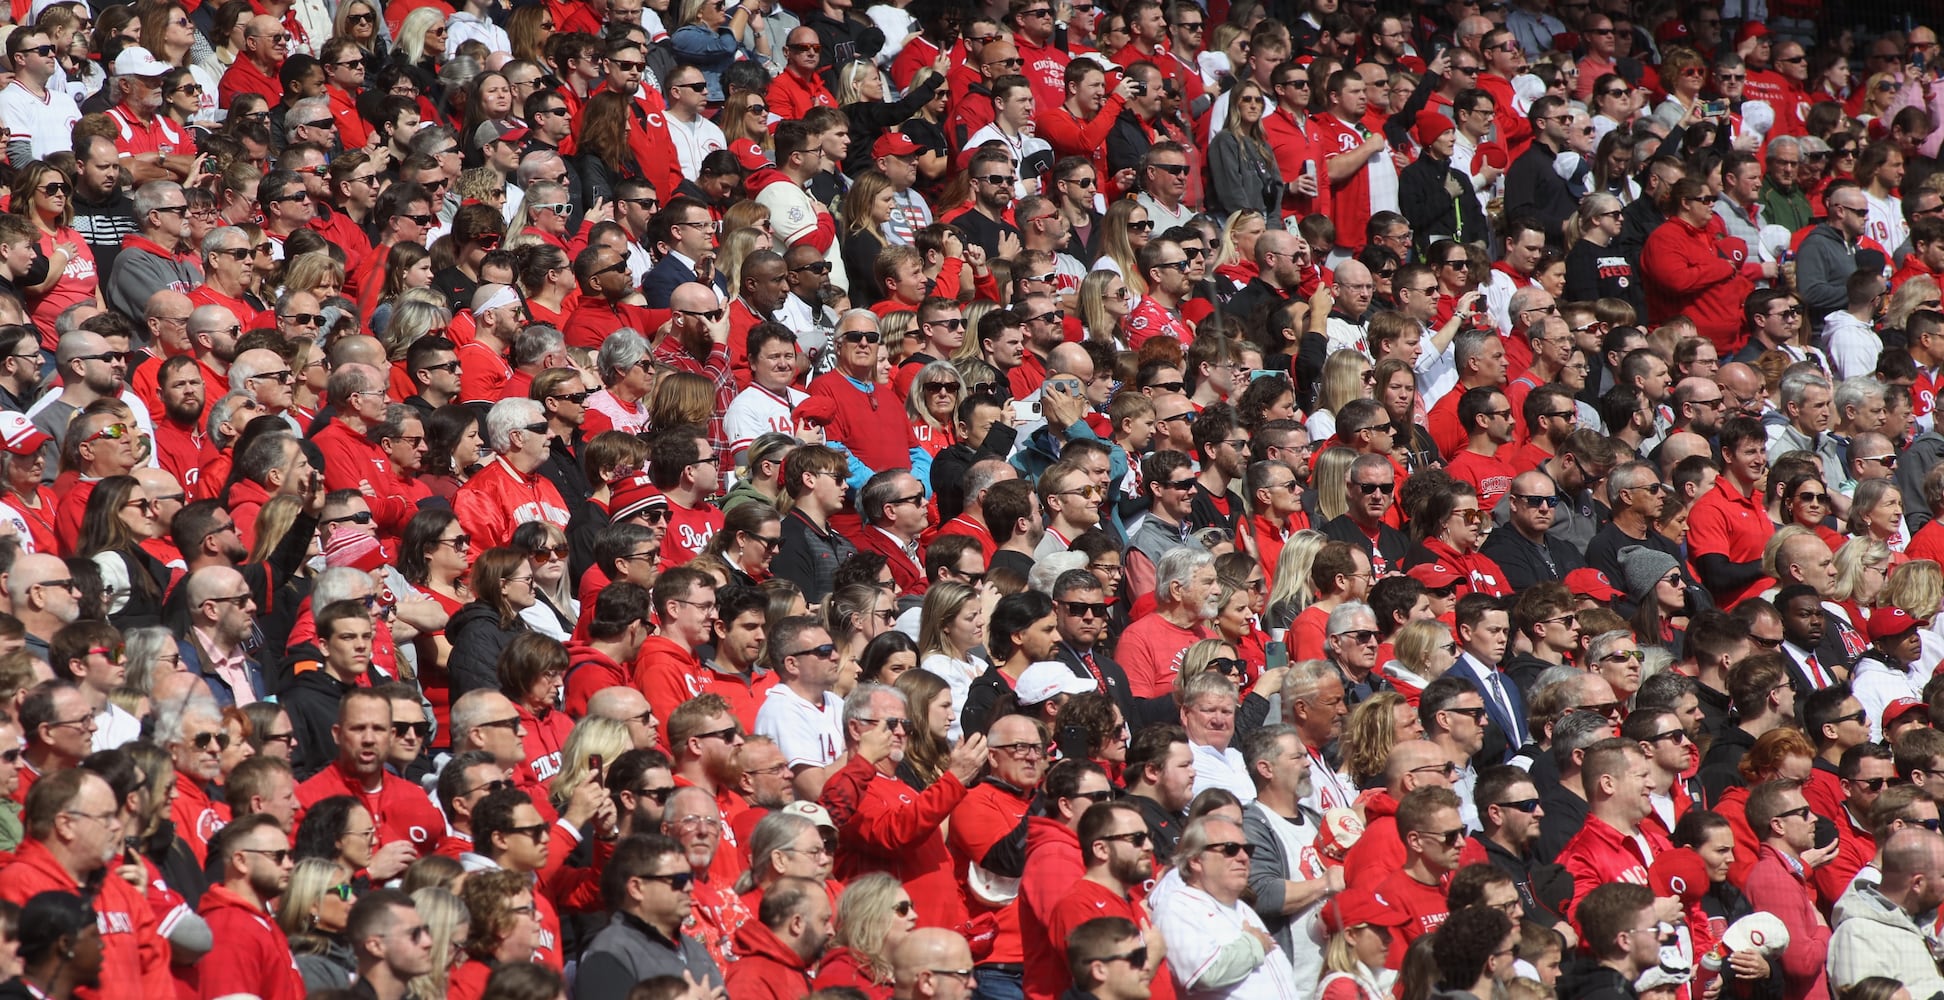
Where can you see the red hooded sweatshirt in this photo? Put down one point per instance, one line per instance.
(134, 955)
(1053, 865)
(1379, 851)
(1685, 274)
(1482, 575)
(589, 670)
(254, 960)
(667, 673)
(765, 968)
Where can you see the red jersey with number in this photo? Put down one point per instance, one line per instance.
(1150, 319)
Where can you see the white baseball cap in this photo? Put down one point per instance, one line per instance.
(1048, 678)
(137, 61)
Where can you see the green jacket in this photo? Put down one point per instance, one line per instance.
(1788, 209)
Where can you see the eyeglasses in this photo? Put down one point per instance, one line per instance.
(1023, 751)
(421, 729)
(1803, 813)
(863, 337)
(355, 517)
(1889, 461)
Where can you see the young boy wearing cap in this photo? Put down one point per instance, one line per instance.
(1888, 671)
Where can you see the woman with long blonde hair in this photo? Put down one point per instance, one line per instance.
(1289, 590)
(1331, 477)
(1377, 724)
(1124, 230)
(591, 737)
(932, 405)
(449, 922)
(1105, 301)
(1347, 375)
(873, 915)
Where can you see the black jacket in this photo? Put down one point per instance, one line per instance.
(1544, 888)
(477, 641)
(1391, 543)
(843, 40)
(1637, 221)
(1425, 196)
(1585, 980)
(1525, 563)
(1243, 304)
(1534, 188)
(950, 466)
(1565, 814)
(1137, 711)
(809, 557)
(1720, 768)
(312, 701)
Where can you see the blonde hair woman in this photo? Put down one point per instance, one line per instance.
(1347, 375)
(1373, 728)
(1104, 302)
(593, 736)
(1422, 651)
(1234, 256)
(313, 912)
(873, 915)
(1862, 568)
(1123, 232)
(447, 918)
(950, 625)
(1290, 592)
(1917, 587)
(933, 407)
(1332, 479)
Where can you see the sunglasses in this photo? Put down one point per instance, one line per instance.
(422, 730)
(1083, 609)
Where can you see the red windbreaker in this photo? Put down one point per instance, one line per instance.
(895, 830)
(499, 499)
(1053, 865)
(1599, 854)
(589, 670)
(991, 812)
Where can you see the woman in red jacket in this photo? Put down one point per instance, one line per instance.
(874, 914)
(531, 671)
(1686, 272)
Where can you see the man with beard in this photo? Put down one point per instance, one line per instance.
(206, 534)
(407, 824)
(1223, 447)
(104, 214)
(1185, 598)
(1610, 846)
(179, 434)
(352, 461)
(706, 744)
(776, 952)
(994, 176)
(152, 146)
(89, 371)
(1115, 848)
(799, 711)
(1508, 814)
(804, 310)
(254, 862)
(1286, 872)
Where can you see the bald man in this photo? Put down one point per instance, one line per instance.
(626, 705)
(1877, 933)
(1174, 419)
(1276, 276)
(1742, 389)
(1699, 405)
(925, 963)
(1412, 764)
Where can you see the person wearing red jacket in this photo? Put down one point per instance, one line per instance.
(1080, 126)
(1412, 764)
(1778, 883)
(351, 460)
(408, 823)
(253, 959)
(1686, 273)
(776, 951)
(1614, 845)
(800, 87)
(1052, 865)
(887, 827)
(530, 669)
(198, 764)
(600, 310)
(615, 635)
(1856, 842)
(77, 809)
(1113, 839)
(983, 838)
(508, 492)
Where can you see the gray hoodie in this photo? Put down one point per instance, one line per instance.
(1875, 937)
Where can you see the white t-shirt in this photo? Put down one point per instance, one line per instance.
(1305, 931)
(45, 124)
(1224, 769)
(1196, 928)
(793, 215)
(808, 735)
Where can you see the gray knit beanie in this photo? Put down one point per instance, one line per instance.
(1642, 566)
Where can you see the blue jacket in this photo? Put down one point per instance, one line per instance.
(193, 661)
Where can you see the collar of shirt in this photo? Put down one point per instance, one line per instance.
(866, 388)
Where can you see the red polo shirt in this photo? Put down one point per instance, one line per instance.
(1725, 522)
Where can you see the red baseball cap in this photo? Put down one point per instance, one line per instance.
(895, 143)
(1591, 583)
(1894, 712)
(1358, 907)
(1434, 574)
(1887, 622)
